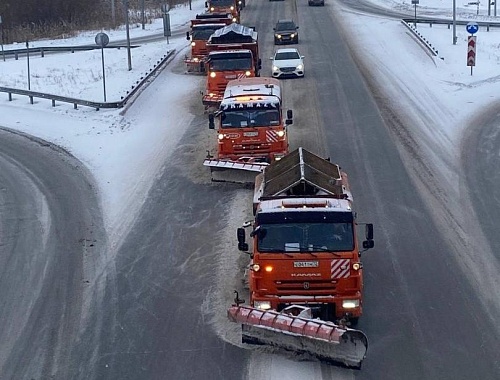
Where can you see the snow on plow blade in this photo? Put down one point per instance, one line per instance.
(321, 339)
(234, 171)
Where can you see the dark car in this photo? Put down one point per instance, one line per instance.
(286, 32)
(316, 2)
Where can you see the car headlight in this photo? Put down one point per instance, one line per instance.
(292, 35)
(277, 35)
(350, 304)
(193, 43)
(275, 68)
(263, 305)
(300, 67)
(213, 74)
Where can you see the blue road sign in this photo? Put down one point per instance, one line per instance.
(472, 27)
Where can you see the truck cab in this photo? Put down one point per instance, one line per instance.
(250, 123)
(231, 7)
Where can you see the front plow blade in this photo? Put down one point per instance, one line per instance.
(233, 171)
(320, 339)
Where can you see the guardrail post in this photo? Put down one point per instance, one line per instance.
(31, 99)
(10, 96)
(42, 53)
(75, 106)
(488, 27)
(53, 103)
(16, 56)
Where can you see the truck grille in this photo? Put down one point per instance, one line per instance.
(297, 287)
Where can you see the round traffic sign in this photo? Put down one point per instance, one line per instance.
(472, 27)
(101, 39)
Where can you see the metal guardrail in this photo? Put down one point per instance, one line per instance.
(97, 105)
(449, 23)
(421, 38)
(48, 49)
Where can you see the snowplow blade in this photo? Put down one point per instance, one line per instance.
(233, 171)
(321, 339)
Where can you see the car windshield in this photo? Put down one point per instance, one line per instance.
(286, 55)
(305, 237)
(250, 118)
(289, 25)
(231, 64)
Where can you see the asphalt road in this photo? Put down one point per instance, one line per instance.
(157, 310)
(52, 241)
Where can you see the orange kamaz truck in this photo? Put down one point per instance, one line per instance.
(304, 240)
(233, 52)
(250, 126)
(231, 7)
(202, 27)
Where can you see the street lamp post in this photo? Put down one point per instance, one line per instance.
(129, 56)
(454, 22)
(28, 60)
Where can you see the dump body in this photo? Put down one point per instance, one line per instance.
(201, 29)
(233, 53)
(250, 125)
(305, 249)
(225, 6)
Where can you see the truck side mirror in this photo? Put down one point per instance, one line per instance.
(187, 36)
(368, 243)
(369, 231)
(211, 122)
(289, 117)
(242, 245)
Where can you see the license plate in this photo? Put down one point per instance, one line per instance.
(306, 264)
(250, 134)
(231, 76)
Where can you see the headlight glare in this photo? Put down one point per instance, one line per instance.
(280, 133)
(213, 75)
(263, 305)
(350, 304)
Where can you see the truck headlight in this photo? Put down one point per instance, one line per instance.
(247, 73)
(234, 19)
(212, 9)
(196, 59)
(350, 304)
(300, 67)
(193, 43)
(220, 136)
(280, 133)
(263, 305)
(213, 75)
(232, 8)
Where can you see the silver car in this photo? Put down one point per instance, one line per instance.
(287, 62)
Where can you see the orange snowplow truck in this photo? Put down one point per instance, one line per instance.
(231, 7)
(202, 27)
(233, 52)
(251, 129)
(305, 249)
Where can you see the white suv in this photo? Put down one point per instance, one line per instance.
(287, 62)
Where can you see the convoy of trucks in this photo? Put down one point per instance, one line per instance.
(250, 126)
(305, 273)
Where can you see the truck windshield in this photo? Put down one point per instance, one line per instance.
(305, 237)
(231, 64)
(203, 34)
(221, 3)
(250, 118)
